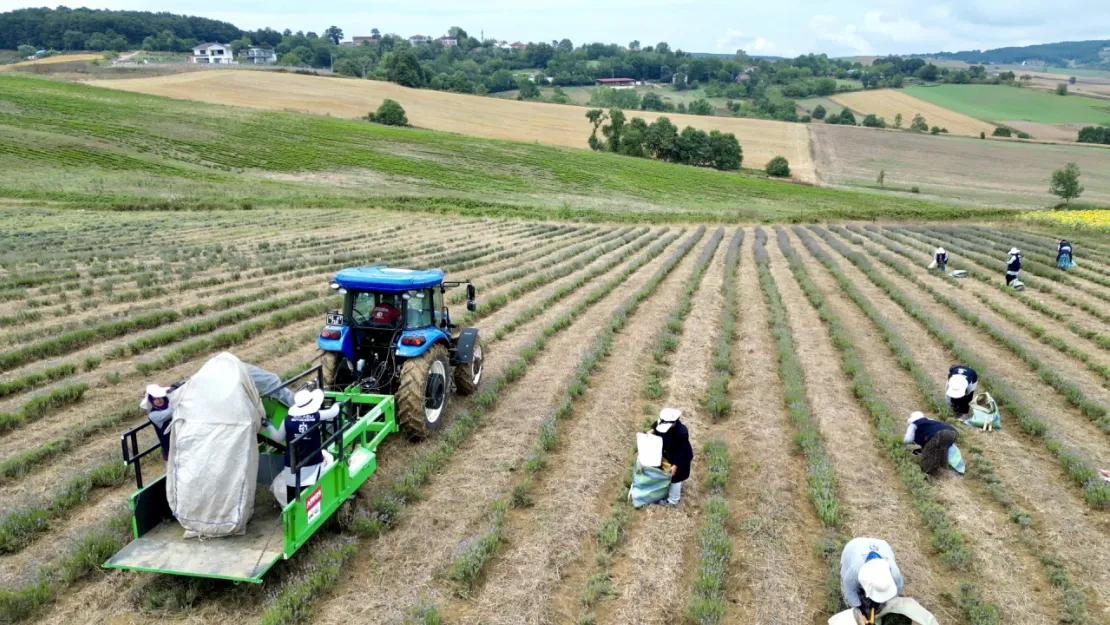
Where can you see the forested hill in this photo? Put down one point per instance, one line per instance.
(70, 29)
(1095, 52)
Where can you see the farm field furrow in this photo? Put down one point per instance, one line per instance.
(997, 546)
(1026, 470)
(459, 499)
(1074, 429)
(870, 504)
(661, 540)
(776, 553)
(592, 453)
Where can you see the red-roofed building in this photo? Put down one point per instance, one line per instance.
(616, 83)
(517, 46)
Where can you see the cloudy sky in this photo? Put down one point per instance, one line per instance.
(780, 27)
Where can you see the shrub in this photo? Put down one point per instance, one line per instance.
(1094, 134)
(919, 124)
(700, 107)
(1001, 131)
(1062, 89)
(874, 121)
(652, 102)
(935, 130)
(778, 167)
(805, 119)
(982, 135)
(819, 112)
(390, 113)
(1020, 135)
(528, 90)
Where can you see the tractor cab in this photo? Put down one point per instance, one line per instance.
(394, 336)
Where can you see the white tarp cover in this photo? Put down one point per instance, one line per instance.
(211, 472)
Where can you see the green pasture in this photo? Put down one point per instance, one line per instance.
(87, 146)
(1001, 103)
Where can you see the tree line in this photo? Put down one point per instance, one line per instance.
(88, 29)
(1058, 54)
(1094, 134)
(662, 141)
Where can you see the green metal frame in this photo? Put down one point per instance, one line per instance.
(321, 500)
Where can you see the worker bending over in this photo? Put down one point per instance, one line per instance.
(869, 576)
(933, 439)
(962, 381)
(1013, 265)
(676, 450)
(940, 259)
(303, 416)
(1064, 256)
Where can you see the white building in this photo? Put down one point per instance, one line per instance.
(207, 53)
(449, 42)
(258, 56)
(419, 39)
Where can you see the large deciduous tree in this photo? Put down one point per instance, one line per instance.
(1065, 183)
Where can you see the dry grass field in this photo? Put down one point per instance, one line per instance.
(51, 60)
(972, 171)
(550, 124)
(795, 353)
(887, 103)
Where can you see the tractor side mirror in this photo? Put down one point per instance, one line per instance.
(470, 292)
(472, 306)
(360, 365)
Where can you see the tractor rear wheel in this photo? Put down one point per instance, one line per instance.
(330, 363)
(469, 375)
(423, 392)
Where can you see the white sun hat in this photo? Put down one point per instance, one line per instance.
(915, 415)
(1014, 250)
(667, 418)
(156, 391)
(940, 250)
(957, 386)
(306, 402)
(876, 581)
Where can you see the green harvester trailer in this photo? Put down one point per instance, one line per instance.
(273, 533)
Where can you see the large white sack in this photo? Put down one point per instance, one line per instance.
(211, 471)
(649, 449)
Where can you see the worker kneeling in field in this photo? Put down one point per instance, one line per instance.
(933, 439)
(869, 576)
(940, 260)
(303, 416)
(960, 390)
(676, 450)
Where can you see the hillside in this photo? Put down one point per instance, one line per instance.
(550, 124)
(1062, 53)
(93, 146)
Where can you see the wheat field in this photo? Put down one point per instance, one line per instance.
(887, 103)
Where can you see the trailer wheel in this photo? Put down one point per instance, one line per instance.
(423, 392)
(469, 375)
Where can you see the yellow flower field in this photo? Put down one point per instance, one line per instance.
(1087, 219)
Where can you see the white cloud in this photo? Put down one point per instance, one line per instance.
(827, 28)
(731, 40)
(900, 29)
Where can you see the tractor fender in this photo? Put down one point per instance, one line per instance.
(464, 346)
(343, 344)
(431, 336)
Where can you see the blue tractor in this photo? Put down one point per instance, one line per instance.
(394, 336)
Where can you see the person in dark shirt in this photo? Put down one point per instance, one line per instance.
(676, 450)
(933, 438)
(1013, 265)
(160, 413)
(940, 259)
(303, 415)
(962, 382)
(1063, 256)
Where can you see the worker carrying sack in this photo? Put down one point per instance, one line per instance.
(984, 413)
(213, 463)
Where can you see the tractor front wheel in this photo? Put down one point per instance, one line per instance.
(469, 375)
(423, 392)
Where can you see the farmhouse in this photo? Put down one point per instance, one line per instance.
(207, 53)
(358, 41)
(616, 83)
(448, 42)
(419, 39)
(517, 46)
(258, 56)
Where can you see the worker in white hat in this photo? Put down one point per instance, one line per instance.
(869, 576)
(962, 382)
(676, 450)
(156, 403)
(304, 415)
(940, 259)
(1013, 265)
